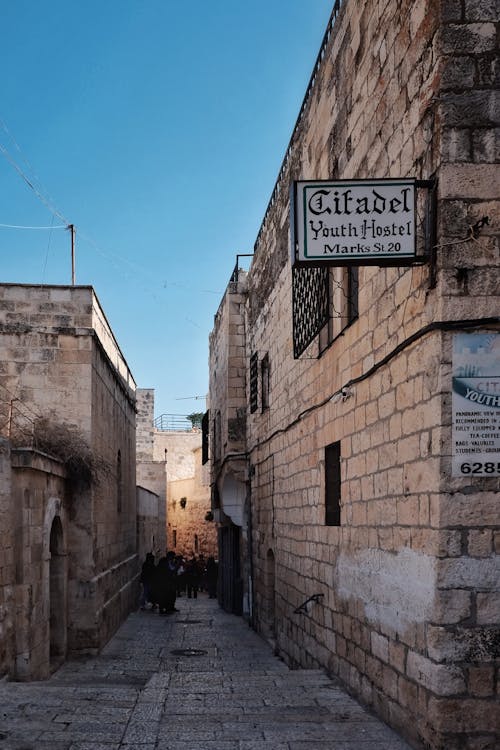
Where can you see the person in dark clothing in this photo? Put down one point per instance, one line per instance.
(212, 576)
(193, 575)
(147, 573)
(165, 584)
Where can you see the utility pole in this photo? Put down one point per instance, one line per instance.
(72, 229)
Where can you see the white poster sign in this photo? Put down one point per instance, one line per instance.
(358, 222)
(476, 405)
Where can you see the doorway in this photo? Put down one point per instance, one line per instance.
(57, 596)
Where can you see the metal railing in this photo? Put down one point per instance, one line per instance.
(175, 423)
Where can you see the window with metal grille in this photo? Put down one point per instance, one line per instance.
(343, 303)
(309, 305)
(254, 382)
(332, 484)
(205, 437)
(265, 375)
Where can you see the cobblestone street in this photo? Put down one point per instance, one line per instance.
(196, 680)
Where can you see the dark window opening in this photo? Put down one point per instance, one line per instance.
(343, 303)
(204, 437)
(254, 382)
(265, 373)
(217, 437)
(332, 484)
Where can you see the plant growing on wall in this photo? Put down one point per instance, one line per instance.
(67, 443)
(195, 419)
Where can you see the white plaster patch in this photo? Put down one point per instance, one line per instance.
(232, 499)
(396, 589)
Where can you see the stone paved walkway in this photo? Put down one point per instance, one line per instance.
(140, 694)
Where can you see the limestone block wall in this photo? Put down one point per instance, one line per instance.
(228, 362)
(179, 446)
(188, 530)
(60, 360)
(145, 424)
(148, 538)
(409, 580)
(150, 475)
(7, 570)
(40, 584)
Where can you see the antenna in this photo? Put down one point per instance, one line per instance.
(72, 229)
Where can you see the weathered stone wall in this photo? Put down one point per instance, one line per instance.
(61, 361)
(409, 612)
(176, 448)
(227, 369)
(148, 513)
(145, 424)
(151, 474)
(7, 571)
(187, 525)
(39, 497)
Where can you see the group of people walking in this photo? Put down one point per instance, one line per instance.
(173, 576)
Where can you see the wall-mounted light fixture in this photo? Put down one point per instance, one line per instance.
(342, 395)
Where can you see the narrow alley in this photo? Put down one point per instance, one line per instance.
(200, 679)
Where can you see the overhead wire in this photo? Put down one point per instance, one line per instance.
(18, 226)
(118, 262)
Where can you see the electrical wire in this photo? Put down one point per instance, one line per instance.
(443, 325)
(17, 226)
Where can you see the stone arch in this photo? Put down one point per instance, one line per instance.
(56, 583)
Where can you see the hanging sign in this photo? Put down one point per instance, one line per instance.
(354, 222)
(476, 405)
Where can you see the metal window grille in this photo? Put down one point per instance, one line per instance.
(352, 293)
(264, 373)
(309, 305)
(254, 382)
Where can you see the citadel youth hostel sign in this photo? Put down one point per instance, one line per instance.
(354, 222)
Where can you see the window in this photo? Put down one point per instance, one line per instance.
(332, 484)
(343, 303)
(174, 538)
(196, 543)
(217, 441)
(254, 382)
(264, 372)
(204, 437)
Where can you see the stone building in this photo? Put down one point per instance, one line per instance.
(151, 480)
(169, 464)
(189, 530)
(68, 561)
(338, 473)
(190, 526)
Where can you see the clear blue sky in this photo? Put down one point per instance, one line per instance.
(158, 128)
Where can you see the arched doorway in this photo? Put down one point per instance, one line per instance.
(57, 595)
